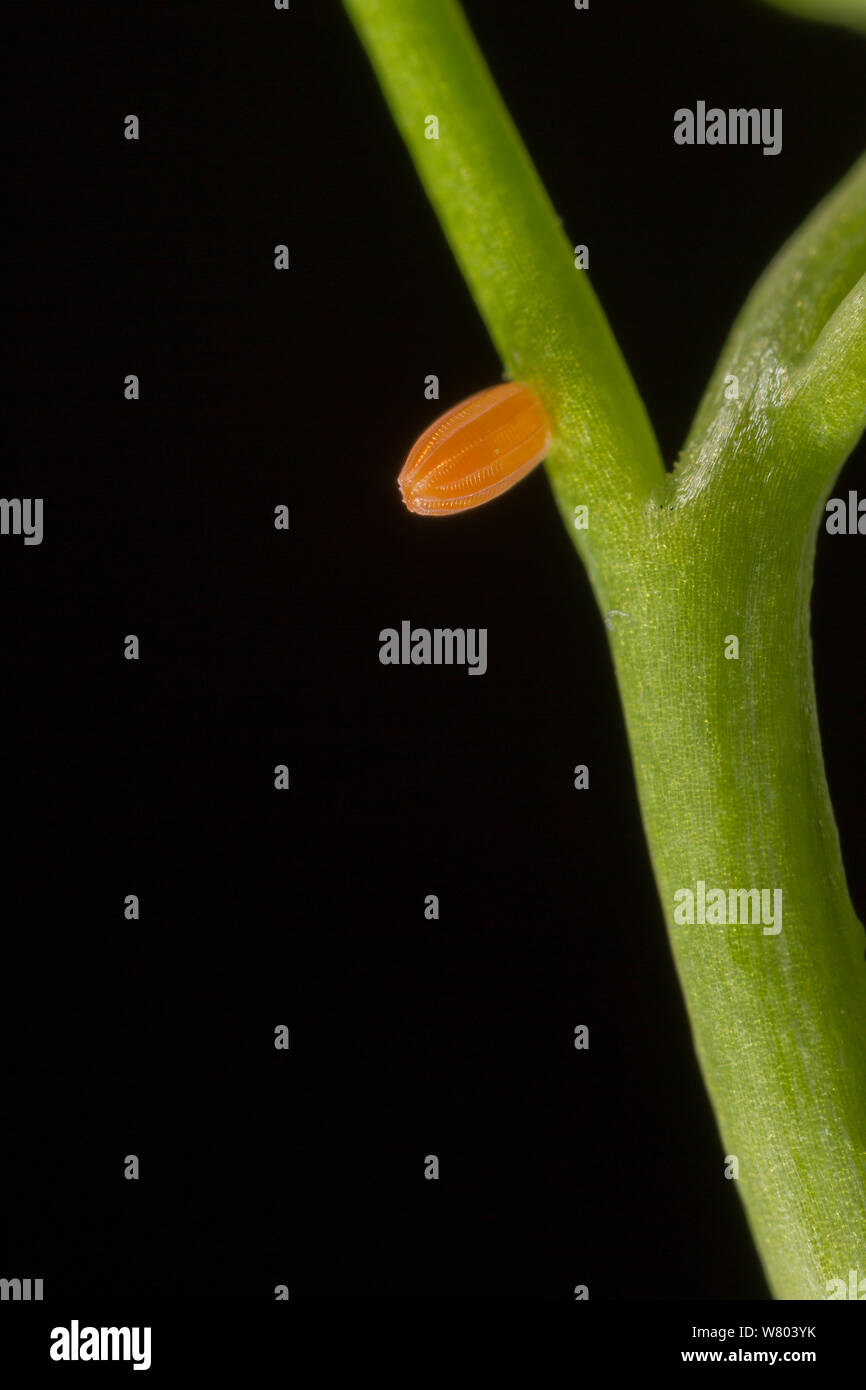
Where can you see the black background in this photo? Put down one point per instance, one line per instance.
(156, 778)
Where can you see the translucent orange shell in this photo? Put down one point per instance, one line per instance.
(476, 451)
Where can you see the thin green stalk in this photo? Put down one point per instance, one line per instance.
(851, 12)
(723, 732)
(541, 312)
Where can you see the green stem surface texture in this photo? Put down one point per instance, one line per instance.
(726, 750)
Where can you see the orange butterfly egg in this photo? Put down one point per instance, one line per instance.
(472, 453)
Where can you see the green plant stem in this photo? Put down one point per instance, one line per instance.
(732, 790)
(851, 12)
(541, 313)
(726, 751)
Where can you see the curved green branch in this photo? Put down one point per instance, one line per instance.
(798, 339)
(850, 12)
